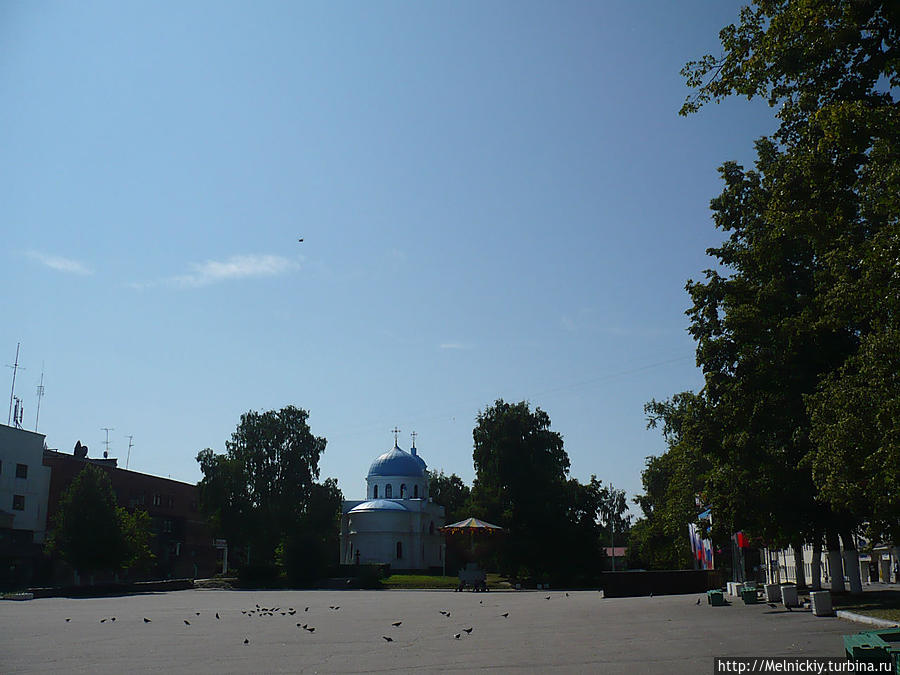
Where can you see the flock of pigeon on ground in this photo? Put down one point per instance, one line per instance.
(260, 611)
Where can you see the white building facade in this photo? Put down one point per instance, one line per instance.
(397, 523)
(24, 485)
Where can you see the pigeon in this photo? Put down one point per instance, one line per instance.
(187, 623)
(337, 607)
(387, 639)
(146, 620)
(505, 614)
(467, 630)
(481, 602)
(457, 635)
(102, 620)
(443, 612)
(547, 598)
(772, 605)
(68, 619)
(292, 612)
(291, 609)
(113, 619)
(567, 595)
(197, 613)
(217, 616)
(789, 608)
(396, 623)
(311, 629)
(246, 641)
(243, 611)
(698, 601)
(330, 606)
(306, 610)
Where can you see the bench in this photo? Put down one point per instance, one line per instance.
(715, 598)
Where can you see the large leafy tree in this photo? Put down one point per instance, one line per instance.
(522, 483)
(92, 533)
(803, 294)
(450, 492)
(263, 486)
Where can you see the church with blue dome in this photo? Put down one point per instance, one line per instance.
(397, 523)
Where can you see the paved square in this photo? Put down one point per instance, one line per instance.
(579, 633)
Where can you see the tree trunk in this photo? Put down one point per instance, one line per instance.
(835, 564)
(851, 562)
(815, 583)
(799, 564)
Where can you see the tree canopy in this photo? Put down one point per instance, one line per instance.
(522, 484)
(451, 493)
(263, 487)
(92, 533)
(796, 324)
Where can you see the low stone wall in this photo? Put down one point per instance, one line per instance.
(659, 582)
(113, 589)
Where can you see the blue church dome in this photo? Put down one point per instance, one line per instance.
(396, 462)
(378, 505)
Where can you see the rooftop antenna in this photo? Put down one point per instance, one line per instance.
(12, 391)
(130, 445)
(106, 442)
(396, 431)
(17, 413)
(40, 395)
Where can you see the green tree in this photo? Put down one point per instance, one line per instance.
(522, 483)
(672, 483)
(451, 493)
(263, 486)
(92, 533)
(811, 261)
(310, 548)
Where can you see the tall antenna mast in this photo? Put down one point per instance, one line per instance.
(40, 395)
(130, 445)
(12, 391)
(106, 442)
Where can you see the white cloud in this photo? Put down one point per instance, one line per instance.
(235, 267)
(60, 264)
(452, 345)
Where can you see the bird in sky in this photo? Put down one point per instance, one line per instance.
(300, 240)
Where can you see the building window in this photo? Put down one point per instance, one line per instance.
(375, 492)
(402, 490)
(21, 471)
(18, 502)
(170, 502)
(399, 550)
(167, 525)
(388, 491)
(415, 491)
(157, 500)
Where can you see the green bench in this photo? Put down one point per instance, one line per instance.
(875, 646)
(715, 598)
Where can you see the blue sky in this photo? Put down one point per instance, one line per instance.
(498, 199)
